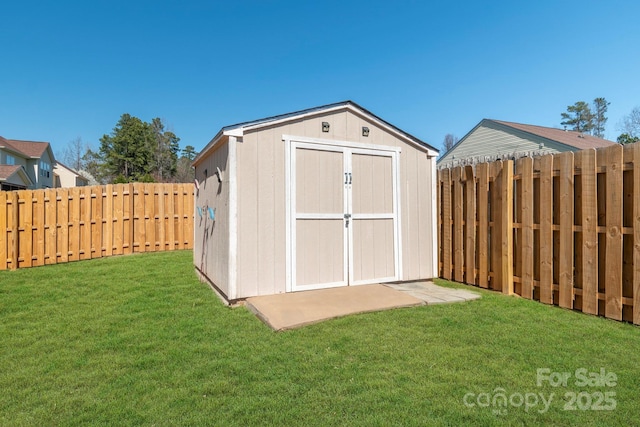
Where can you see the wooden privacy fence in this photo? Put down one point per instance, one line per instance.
(562, 229)
(41, 227)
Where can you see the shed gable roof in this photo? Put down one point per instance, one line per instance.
(240, 128)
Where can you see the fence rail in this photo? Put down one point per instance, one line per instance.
(562, 229)
(41, 227)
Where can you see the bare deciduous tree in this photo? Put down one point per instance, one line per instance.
(74, 152)
(449, 141)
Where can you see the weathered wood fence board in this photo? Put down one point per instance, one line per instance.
(41, 227)
(562, 229)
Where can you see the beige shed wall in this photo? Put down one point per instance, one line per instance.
(261, 157)
(211, 243)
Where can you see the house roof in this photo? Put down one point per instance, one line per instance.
(33, 149)
(238, 129)
(567, 137)
(7, 171)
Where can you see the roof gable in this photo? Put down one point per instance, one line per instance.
(7, 171)
(240, 129)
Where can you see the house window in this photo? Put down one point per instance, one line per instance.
(45, 168)
(10, 160)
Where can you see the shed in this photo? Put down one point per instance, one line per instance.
(324, 197)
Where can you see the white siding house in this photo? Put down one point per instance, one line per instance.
(493, 139)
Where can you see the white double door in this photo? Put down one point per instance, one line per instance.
(344, 215)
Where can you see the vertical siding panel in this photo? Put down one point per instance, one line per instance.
(265, 142)
(566, 219)
(425, 189)
(248, 212)
(413, 194)
(279, 215)
(546, 229)
(482, 170)
(613, 258)
(526, 173)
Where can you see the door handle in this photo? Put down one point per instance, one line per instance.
(350, 178)
(346, 178)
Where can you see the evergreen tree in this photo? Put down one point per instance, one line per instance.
(579, 117)
(600, 106)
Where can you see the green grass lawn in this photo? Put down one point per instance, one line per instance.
(138, 340)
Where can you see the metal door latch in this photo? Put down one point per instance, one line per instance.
(347, 217)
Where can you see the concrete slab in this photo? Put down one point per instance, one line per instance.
(431, 293)
(296, 309)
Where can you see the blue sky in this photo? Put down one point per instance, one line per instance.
(71, 68)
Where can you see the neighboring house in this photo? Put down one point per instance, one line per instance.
(65, 177)
(324, 197)
(25, 164)
(493, 139)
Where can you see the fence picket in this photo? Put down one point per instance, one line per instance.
(483, 224)
(458, 225)
(546, 229)
(613, 257)
(470, 225)
(526, 178)
(589, 247)
(566, 220)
